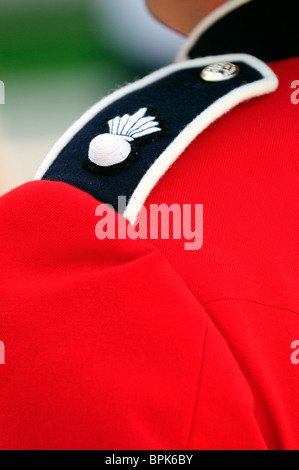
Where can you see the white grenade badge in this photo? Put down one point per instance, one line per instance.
(111, 149)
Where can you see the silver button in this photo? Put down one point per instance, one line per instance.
(219, 72)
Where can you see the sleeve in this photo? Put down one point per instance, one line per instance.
(106, 347)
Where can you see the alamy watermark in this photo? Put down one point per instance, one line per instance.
(295, 354)
(158, 221)
(2, 92)
(2, 353)
(295, 94)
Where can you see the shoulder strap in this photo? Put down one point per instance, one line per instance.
(157, 118)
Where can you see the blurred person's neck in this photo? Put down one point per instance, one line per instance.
(182, 15)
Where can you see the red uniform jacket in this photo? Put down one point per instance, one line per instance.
(142, 344)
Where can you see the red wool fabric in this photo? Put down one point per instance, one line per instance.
(121, 344)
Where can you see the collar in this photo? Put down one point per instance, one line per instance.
(262, 28)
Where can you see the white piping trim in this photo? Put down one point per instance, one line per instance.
(265, 85)
(107, 101)
(206, 23)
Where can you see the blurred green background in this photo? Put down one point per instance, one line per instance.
(57, 58)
